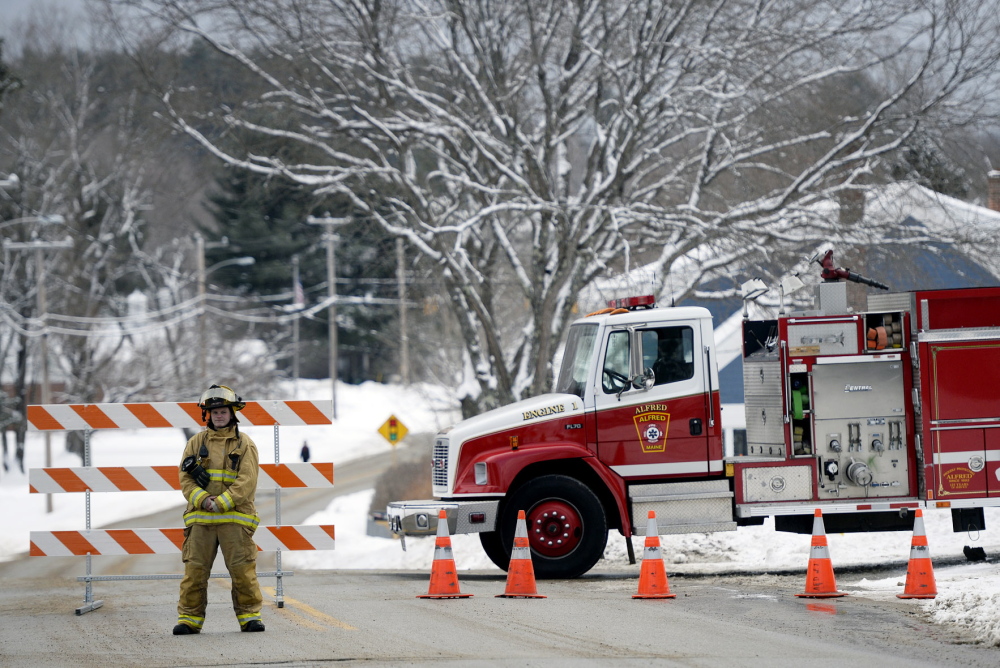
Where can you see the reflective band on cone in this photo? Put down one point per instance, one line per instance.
(520, 572)
(653, 573)
(820, 582)
(919, 572)
(444, 574)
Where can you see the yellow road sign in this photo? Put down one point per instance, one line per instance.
(393, 430)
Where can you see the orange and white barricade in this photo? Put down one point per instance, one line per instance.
(66, 417)
(120, 542)
(165, 478)
(87, 479)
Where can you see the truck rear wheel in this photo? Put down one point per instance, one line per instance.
(567, 527)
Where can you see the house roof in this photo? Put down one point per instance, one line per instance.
(960, 252)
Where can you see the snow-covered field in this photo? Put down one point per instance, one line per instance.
(968, 594)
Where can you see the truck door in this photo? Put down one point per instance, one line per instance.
(662, 431)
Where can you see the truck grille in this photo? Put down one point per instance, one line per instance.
(439, 463)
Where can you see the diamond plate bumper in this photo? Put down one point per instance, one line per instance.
(420, 518)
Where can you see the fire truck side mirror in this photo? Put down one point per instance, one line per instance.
(644, 380)
(642, 377)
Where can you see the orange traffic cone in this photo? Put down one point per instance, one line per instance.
(520, 572)
(820, 582)
(653, 576)
(444, 578)
(919, 572)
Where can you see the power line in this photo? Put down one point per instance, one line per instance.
(154, 321)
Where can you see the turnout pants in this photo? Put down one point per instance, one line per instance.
(201, 544)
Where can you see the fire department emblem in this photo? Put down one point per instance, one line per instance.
(651, 427)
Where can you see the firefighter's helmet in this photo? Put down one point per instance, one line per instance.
(220, 396)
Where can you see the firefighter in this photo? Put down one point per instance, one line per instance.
(219, 479)
(669, 364)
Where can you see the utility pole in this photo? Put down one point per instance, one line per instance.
(297, 304)
(42, 307)
(331, 282)
(404, 334)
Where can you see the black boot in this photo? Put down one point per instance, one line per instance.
(185, 630)
(253, 626)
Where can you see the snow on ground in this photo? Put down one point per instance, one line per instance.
(968, 594)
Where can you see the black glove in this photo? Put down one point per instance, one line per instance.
(195, 470)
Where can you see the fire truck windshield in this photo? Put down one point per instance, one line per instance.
(577, 359)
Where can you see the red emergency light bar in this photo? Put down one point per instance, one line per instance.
(633, 303)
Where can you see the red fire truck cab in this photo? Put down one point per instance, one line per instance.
(866, 416)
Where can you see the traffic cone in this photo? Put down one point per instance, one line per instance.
(919, 572)
(653, 575)
(444, 576)
(520, 572)
(820, 582)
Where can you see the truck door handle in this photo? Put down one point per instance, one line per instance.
(695, 424)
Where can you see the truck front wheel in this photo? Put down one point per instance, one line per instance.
(567, 527)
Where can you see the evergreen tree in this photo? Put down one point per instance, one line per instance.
(267, 220)
(8, 82)
(924, 161)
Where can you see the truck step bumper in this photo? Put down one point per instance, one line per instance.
(420, 518)
(683, 507)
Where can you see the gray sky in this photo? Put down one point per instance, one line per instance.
(13, 12)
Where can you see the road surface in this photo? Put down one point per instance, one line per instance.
(374, 618)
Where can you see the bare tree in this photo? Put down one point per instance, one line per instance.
(77, 154)
(8, 407)
(526, 148)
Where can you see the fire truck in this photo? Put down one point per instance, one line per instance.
(864, 415)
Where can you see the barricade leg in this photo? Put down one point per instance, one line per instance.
(279, 587)
(89, 604)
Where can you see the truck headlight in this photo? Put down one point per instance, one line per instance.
(481, 477)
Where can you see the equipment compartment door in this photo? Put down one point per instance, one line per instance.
(959, 463)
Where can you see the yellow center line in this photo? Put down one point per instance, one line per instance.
(299, 619)
(321, 616)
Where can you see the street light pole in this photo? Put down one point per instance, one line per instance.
(200, 246)
(331, 281)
